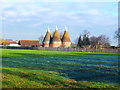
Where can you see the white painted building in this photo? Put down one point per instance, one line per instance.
(14, 45)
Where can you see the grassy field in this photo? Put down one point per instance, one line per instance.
(58, 69)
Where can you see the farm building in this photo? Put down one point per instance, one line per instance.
(29, 43)
(10, 43)
(14, 45)
(66, 39)
(47, 39)
(56, 40)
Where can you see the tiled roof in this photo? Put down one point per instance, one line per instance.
(29, 43)
(47, 36)
(56, 36)
(66, 37)
(7, 43)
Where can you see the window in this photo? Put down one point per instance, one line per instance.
(67, 43)
(55, 42)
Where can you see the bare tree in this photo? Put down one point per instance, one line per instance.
(103, 39)
(41, 38)
(93, 40)
(85, 32)
(117, 36)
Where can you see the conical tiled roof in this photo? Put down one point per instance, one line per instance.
(65, 37)
(47, 36)
(56, 36)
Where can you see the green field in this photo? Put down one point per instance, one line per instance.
(58, 69)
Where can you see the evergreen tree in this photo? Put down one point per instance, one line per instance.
(86, 40)
(80, 42)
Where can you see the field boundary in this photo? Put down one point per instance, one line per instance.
(77, 49)
(110, 50)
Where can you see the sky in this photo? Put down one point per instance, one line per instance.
(29, 20)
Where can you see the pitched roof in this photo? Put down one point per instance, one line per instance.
(47, 36)
(29, 42)
(56, 36)
(66, 37)
(9, 42)
(5, 40)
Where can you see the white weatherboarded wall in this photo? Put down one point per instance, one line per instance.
(16, 45)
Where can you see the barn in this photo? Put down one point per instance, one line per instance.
(29, 43)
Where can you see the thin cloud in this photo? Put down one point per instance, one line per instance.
(94, 12)
(36, 24)
(22, 11)
(9, 14)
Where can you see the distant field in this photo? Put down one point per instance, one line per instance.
(58, 69)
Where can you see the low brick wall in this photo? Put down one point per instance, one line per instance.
(77, 49)
(65, 49)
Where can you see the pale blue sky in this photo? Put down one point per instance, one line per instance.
(29, 20)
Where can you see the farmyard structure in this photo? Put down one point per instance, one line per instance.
(47, 39)
(55, 40)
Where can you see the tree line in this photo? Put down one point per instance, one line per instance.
(101, 41)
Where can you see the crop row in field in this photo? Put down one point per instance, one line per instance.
(42, 69)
